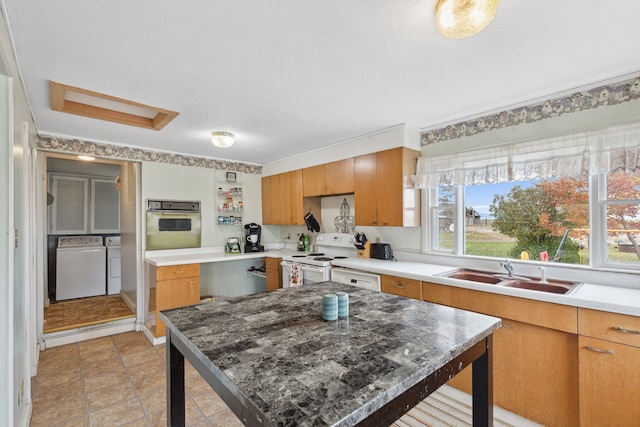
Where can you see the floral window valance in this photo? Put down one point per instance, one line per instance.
(569, 155)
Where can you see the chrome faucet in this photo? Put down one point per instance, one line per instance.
(506, 264)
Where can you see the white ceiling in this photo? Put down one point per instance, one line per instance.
(290, 76)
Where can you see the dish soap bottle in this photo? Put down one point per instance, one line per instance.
(306, 243)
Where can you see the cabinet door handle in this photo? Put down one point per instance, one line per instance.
(507, 325)
(599, 350)
(179, 272)
(623, 330)
(399, 286)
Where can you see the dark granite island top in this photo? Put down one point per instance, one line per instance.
(275, 362)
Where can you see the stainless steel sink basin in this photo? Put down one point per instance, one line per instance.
(552, 286)
(474, 276)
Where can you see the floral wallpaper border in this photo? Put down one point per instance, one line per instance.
(601, 96)
(76, 146)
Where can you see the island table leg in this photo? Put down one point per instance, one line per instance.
(175, 385)
(482, 387)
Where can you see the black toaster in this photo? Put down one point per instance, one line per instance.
(381, 251)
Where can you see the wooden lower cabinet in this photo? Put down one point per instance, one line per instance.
(609, 359)
(274, 273)
(176, 286)
(404, 287)
(535, 367)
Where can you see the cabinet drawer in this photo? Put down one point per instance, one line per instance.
(177, 271)
(613, 327)
(273, 263)
(409, 288)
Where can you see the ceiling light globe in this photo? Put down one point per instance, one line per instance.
(222, 139)
(458, 19)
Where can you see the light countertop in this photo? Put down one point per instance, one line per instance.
(162, 258)
(586, 295)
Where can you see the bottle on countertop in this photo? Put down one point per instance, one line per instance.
(301, 242)
(307, 246)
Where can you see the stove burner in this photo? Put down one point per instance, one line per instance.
(317, 254)
(340, 257)
(322, 258)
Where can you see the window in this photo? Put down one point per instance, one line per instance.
(622, 217)
(573, 199)
(530, 220)
(442, 214)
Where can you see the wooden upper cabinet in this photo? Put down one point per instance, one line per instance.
(365, 193)
(382, 196)
(282, 199)
(377, 181)
(268, 213)
(339, 177)
(297, 212)
(329, 179)
(313, 179)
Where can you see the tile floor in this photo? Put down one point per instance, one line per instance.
(120, 381)
(116, 381)
(75, 313)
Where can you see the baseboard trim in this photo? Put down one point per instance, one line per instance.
(71, 336)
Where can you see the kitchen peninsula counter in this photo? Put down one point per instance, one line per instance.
(169, 257)
(274, 361)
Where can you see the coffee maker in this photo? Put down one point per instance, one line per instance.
(252, 238)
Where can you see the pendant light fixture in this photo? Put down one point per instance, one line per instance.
(458, 19)
(222, 139)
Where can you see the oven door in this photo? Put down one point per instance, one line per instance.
(310, 273)
(173, 230)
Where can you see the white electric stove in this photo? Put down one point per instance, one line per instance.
(310, 267)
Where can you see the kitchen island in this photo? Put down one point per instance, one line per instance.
(274, 361)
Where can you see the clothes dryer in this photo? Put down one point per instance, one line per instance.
(114, 265)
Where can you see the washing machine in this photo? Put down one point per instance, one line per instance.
(113, 265)
(80, 267)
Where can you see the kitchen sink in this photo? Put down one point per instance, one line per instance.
(552, 286)
(474, 276)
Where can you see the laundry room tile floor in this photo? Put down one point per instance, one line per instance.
(76, 313)
(120, 381)
(116, 381)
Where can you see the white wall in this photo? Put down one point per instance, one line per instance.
(174, 182)
(16, 339)
(129, 239)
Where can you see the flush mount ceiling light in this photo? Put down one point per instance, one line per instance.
(87, 103)
(458, 19)
(87, 158)
(222, 139)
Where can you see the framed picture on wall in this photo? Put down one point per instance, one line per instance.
(231, 177)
